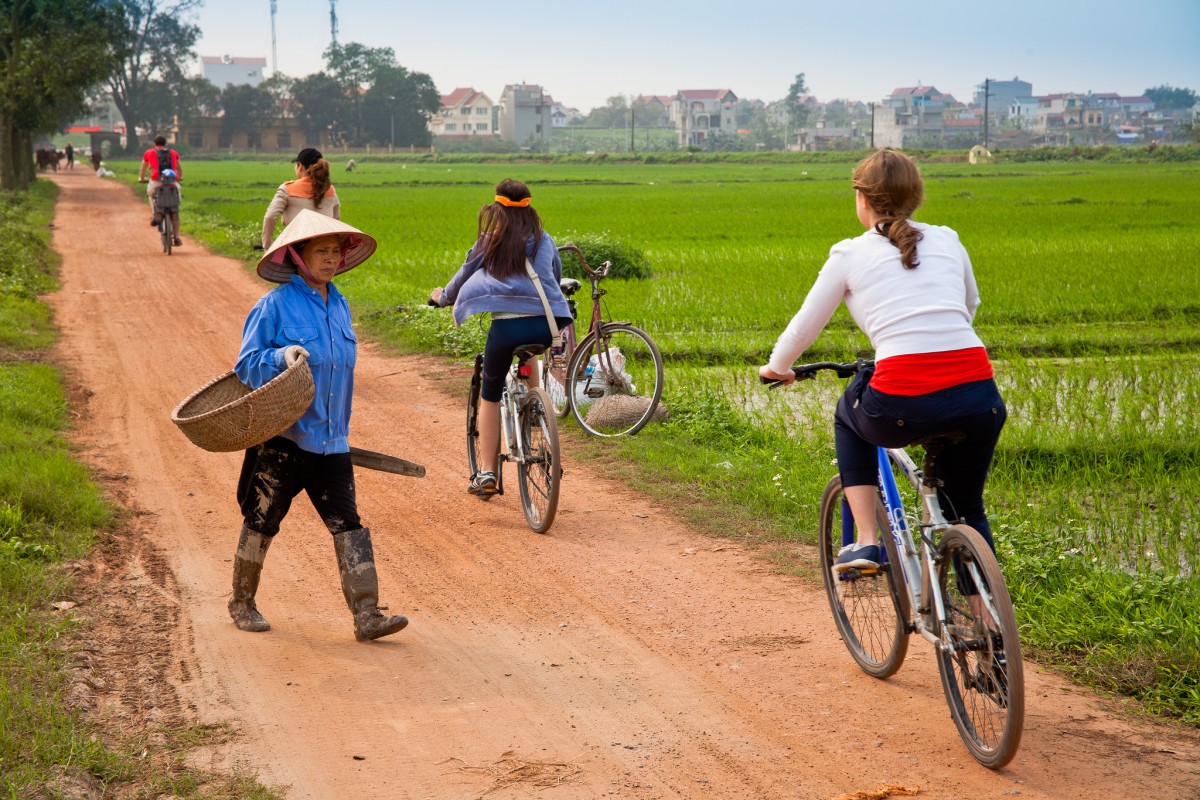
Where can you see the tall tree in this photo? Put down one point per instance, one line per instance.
(246, 108)
(798, 110)
(1168, 98)
(157, 43)
(355, 66)
(398, 105)
(318, 104)
(51, 52)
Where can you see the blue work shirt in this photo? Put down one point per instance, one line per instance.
(295, 313)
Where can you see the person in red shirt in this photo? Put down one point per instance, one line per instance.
(154, 161)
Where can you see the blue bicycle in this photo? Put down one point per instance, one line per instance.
(951, 592)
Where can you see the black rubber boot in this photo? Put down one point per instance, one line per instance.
(247, 567)
(360, 585)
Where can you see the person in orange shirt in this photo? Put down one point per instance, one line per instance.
(312, 189)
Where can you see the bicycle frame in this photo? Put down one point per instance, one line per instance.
(916, 569)
(510, 431)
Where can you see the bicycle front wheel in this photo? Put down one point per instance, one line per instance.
(539, 472)
(982, 675)
(616, 380)
(869, 608)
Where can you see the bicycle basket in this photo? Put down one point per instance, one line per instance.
(617, 410)
(226, 414)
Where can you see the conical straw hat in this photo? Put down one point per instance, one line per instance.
(357, 246)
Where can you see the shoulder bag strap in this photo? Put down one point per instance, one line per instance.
(537, 284)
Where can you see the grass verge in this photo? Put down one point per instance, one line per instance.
(52, 513)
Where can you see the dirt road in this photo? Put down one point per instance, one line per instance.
(621, 655)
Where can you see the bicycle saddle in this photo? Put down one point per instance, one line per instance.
(940, 439)
(528, 351)
(569, 286)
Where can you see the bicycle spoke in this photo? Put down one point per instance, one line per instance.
(865, 607)
(616, 381)
(539, 471)
(982, 675)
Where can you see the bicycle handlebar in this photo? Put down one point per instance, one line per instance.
(595, 274)
(806, 372)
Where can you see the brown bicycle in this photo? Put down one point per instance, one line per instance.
(611, 380)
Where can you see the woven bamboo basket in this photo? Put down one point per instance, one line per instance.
(225, 414)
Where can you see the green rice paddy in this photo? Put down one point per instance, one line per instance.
(1090, 281)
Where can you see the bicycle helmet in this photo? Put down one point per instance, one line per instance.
(168, 175)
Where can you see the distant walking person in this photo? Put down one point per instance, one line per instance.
(312, 189)
(154, 161)
(69, 150)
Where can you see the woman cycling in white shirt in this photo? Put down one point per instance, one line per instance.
(910, 288)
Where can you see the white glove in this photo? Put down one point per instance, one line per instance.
(293, 353)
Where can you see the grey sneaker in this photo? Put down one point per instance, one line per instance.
(857, 556)
(483, 484)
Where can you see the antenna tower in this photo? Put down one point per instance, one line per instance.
(333, 21)
(274, 53)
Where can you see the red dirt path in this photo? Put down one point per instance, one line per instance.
(621, 655)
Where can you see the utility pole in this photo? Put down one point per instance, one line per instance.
(631, 147)
(986, 94)
(333, 22)
(274, 53)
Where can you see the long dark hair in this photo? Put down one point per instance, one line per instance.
(504, 231)
(318, 173)
(891, 184)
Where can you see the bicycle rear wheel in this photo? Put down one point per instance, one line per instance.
(168, 232)
(539, 473)
(983, 676)
(616, 380)
(870, 609)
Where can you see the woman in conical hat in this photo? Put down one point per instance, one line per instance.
(307, 317)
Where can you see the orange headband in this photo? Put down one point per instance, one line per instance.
(504, 201)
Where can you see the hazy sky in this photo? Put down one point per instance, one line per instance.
(584, 52)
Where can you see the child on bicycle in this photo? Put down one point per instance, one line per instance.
(910, 288)
(166, 201)
(494, 279)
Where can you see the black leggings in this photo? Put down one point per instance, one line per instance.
(277, 470)
(866, 418)
(504, 337)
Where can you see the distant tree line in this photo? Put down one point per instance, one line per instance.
(59, 59)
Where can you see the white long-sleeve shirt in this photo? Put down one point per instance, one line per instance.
(902, 311)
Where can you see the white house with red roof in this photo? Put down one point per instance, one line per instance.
(698, 114)
(463, 114)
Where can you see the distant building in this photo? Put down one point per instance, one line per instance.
(911, 114)
(699, 113)
(1002, 95)
(222, 71)
(463, 114)
(526, 114)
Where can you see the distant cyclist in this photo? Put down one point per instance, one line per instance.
(166, 201)
(155, 160)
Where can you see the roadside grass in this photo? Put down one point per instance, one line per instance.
(52, 513)
(1089, 313)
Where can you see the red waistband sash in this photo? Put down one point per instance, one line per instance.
(922, 373)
